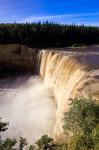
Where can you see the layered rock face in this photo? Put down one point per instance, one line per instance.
(15, 58)
(69, 75)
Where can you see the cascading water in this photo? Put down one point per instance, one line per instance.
(36, 106)
(69, 75)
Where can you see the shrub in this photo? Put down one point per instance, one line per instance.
(81, 123)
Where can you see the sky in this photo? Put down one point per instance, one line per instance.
(61, 11)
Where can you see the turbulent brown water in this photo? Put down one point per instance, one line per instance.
(69, 75)
(36, 106)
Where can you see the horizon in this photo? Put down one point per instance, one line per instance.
(64, 12)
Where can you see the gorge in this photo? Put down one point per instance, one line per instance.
(63, 75)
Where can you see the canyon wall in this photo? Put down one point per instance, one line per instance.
(16, 58)
(68, 73)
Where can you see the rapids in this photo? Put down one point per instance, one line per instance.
(35, 106)
(69, 75)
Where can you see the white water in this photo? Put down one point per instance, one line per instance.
(28, 107)
(69, 75)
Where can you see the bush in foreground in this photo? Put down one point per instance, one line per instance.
(81, 123)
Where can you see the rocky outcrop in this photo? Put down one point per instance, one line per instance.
(15, 58)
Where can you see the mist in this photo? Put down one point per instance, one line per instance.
(28, 106)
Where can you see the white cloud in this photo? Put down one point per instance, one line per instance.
(79, 19)
(68, 17)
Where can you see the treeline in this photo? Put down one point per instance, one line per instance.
(48, 34)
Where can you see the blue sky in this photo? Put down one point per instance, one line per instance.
(61, 11)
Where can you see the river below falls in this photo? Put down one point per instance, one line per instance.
(28, 106)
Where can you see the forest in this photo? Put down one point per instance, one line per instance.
(44, 35)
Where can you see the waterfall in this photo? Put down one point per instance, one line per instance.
(34, 105)
(69, 75)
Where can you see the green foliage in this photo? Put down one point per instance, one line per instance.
(81, 122)
(44, 142)
(3, 126)
(32, 147)
(82, 117)
(60, 147)
(81, 142)
(22, 143)
(95, 137)
(48, 34)
(8, 144)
